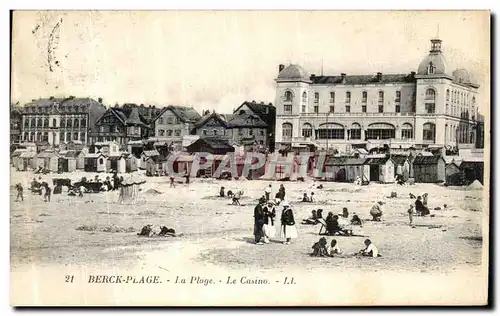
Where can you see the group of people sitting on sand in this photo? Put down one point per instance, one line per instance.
(308, 199)
(151, 230)
(234, 196)
(322, 249)
(341, 219)
(38, 187)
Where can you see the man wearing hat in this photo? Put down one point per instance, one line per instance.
(258, 216)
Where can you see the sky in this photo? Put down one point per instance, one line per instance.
(218, 59)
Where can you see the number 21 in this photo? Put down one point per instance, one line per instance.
(70, 278)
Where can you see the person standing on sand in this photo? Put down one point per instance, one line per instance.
(268, 228)
(288, 229)
(267, 192)
(282, 192)
(410, 214)
(172, 181)
(48, 190)
(19, 189)
(258, 217)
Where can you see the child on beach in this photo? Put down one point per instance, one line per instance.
(19, 189)
(334, 248)
(370, 250)
(410, 214)
(48, 190)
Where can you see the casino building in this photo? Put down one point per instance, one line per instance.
(430, 107)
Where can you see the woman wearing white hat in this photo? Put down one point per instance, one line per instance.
(288, 229)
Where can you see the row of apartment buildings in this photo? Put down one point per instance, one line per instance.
(57, 121)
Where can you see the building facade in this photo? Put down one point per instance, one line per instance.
(60, 120)
(399, 110)
(174, 122)
(214, 125)
(120, 124)
(15, 123)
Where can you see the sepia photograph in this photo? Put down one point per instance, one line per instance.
(249, 158)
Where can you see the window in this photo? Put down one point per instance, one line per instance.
(82, 136)
(348, 108)
(261, 142)
(363, 108)
(447, 94)
(429, 131)
(45, 137)
(287, 131)
(381, 108)
(287, 109)
(473, 101)
(330, 131)
(430, 101)
(169, 132)
(101, 161)
(347, 97)
(332, 97)
(161, 132)
(316, 97)
(177, 132)
(316, 109)
(69, 123)
(215, 132)
(54, 123)
(332, 108)
(83, 122)
(303, 108)
(364, 97)
(250, 132)
(288, 96)
(26, 122)
(398, 96)
(398, 108)
(304, 97)
(261, 132)
(431, 69)
(407, 131)
(355, 131)
(39, 123)
(381, 97)
(306, 130)
(447, 108)
(77, 123)
(170, 120)
(240, 131)
(430, 108)
(75, 136)
(160, 120)
(380, 131)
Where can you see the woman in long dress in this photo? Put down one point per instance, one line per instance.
(288, 229)
(269, 229)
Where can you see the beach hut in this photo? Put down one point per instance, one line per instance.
(346, 169)
(95, 162)
(67, 161)
(116, 163)
(150, 166)
(146, 154)
(381, 169)
(130, 163)
(14, 158)
(429, 169)
(48, 160)
(183, 163)
(402, 165)
(26, 161)
(454, 176)
(473, 169)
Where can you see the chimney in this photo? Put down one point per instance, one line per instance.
(342, 77)
(142, 105)
(379, 76)
(99, 100)
(281, 67)
(412, 74)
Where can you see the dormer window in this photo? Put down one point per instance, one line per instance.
(242, 112)
(431, 69)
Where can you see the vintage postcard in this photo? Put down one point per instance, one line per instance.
(249, 158)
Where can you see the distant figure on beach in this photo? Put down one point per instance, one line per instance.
(420, 208)
(19, 189)
(370, 249)
(319, 248)
(311, 198)
(345, 212)
(424, 198)
(305, 198)
(267, 192)
(48, 190)
(320, 186)
(355, 220)
(358, 181)
(288, 229)
(334, 248)
(236, 198)
(230, 194)
(312, 220)
(319, 213)
(412, 196)
(221, 192)
(187, 176)
(258, 216)
(281, 192)
(376, 211)
(410, 214)
(172, 182)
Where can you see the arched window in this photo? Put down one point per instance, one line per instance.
(288, 97)
(75, 136)
(77, 123)
(101, 161)
(429, 132)
(39, 123)
(381, 101)
(304, 97)
(316, 97)
(381, 131)
(364, 97)
(430, 94)
(407, 131)
(162, 132)
(287, 131)
(82, 136)
(46, 122)
(54, 123)
(398, 96)
(306, 130)
(26, 122)
(430, 101)
(354, 131)
(447, 94)
(330, 131)
(169, 132)
(69, 123)
(33, 122)
(62, 137)
(83, 122)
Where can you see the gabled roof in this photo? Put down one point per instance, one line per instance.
(208, 117)
(363, 79)
(27, 154)
(399, 159)
(134, 119)
(47, 154)
(214, 143)
(247, 120)
(265, 111)
(186, 114)
(426, 160)
(127, 116)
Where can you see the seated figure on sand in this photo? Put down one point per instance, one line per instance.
(334, 248)
(237, 197)
(420, 208)
(312, 220)
(305, 198)
(355, 220)
(370, 250)
(221, 192)
(376, 211)
(319, 248)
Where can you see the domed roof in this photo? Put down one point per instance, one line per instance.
(462, 75)
(293, 72)
(438, 63)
